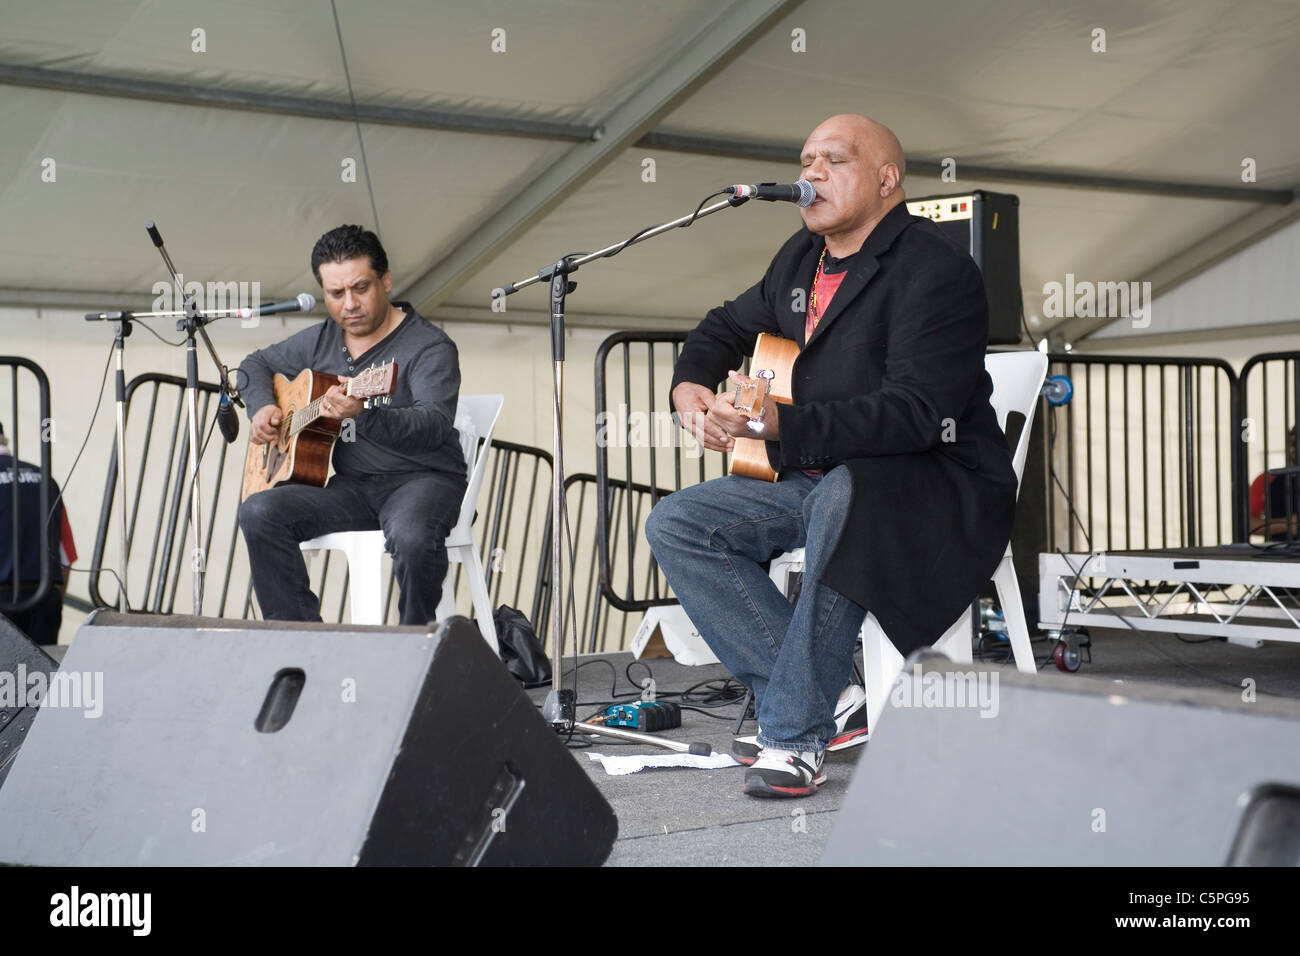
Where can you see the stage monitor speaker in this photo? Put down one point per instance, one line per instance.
(21, 659)
(1049, 769)
(242, 743)
(987, 225)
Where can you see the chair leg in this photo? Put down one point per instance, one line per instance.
(482, 603)
(956, 641)
(782, 567)
(882, 663)
(1013, 608)
(366, 583)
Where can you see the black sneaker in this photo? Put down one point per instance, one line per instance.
(850, 727)
(785, 773)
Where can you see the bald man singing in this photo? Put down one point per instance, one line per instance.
(894, 475)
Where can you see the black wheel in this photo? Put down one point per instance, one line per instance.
(1066, 656)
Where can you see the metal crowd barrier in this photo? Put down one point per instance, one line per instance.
(1143, 455)
(1270, 408)
(638, 443)
(16, 426)
(512, 523)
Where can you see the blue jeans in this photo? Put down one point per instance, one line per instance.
(711, 541)
(415, 511)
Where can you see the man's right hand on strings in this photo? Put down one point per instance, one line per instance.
(265, 425)
(700, 410)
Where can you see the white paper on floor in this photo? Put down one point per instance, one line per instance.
(620, 766)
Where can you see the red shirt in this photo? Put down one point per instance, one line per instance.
(824, 289)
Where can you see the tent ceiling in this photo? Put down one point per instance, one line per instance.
(1185, 91)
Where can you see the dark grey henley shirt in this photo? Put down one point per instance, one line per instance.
(410, 431)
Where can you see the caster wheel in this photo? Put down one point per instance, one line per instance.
(1066, 656)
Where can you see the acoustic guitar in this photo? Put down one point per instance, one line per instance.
(301, 452)
(769, 381)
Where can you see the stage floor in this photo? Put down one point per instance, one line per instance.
(685, 817)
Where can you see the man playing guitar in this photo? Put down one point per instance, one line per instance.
(398, 463)
(894, 475)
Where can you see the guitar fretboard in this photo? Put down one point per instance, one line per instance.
(302, 417)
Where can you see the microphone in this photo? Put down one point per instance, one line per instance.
(801, 193)
(227, 419)
(303, 303)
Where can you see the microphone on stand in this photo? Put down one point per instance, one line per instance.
(227, 418)
(303, 303)
(801, 193)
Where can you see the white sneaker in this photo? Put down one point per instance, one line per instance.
(850, 727)
(785, 773)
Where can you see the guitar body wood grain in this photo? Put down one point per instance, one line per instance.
(749, 457)
(303, 458)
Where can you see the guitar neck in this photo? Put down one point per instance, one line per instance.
(303, 417)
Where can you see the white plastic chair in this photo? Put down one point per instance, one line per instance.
(1017, 381)
(476, 418)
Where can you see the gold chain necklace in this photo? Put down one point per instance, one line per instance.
(813, 309)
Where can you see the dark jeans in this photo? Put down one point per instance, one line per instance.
(711, 541)
(415, 512)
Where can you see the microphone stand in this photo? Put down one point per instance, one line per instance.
(192, 323)
(121, 329)
(560, 707)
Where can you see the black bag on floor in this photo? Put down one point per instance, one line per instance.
(521, 651)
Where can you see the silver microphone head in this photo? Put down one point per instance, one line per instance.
(306, 302)
(806, 193)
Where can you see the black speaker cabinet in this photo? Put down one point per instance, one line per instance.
(21, 660)
(1069, 770)
(218, 742)
(986, 225)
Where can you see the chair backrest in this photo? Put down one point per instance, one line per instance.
(476, 418)
(1017, 382)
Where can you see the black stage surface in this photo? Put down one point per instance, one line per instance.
(686, 817)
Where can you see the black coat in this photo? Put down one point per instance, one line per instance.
(892, 383)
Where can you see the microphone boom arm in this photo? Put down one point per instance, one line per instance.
(574, 262)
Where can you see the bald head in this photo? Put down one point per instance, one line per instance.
(857, 167)
(871, 138)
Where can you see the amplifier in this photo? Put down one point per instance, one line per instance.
(987, 225)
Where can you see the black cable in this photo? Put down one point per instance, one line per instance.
(637, 235)
(347, 76)
(58, 499)
(156, 335)
(1024, 323)
(89, 430)
(1064, 620)
(1051, 469)
(573, 674)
